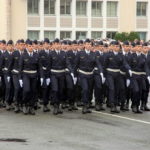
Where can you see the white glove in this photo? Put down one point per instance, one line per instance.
(148, 78)
(8, 78)
(127, 82)
(21, 83)
(74, 78)
(103, 78)
(48, 80)
(72, 75)
(130, 73)
(41, 79)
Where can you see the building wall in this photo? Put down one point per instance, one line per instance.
(18, 19)
(5, 31)
(15, 22)
(127, 15)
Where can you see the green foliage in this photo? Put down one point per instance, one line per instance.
(124, 36)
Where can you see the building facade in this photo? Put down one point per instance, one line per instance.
(73, 19)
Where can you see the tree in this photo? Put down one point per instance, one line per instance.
(122, 36)
(133, 36)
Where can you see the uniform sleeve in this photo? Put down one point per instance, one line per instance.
(20, 66)
(77, 62)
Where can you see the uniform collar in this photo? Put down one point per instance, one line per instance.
(115, 53)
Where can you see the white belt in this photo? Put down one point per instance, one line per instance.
(139, 73)
(44, 68)
(84, 72)
(123, 73)
(58, 71)
(6, 69)
(16, 71)
(31, 71)
(67, 70)
(113, 70)
(95, 68)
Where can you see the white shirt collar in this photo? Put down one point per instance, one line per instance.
(87, 51)
(116, 53)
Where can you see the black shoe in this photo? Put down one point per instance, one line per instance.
(127, 107)
(89, 111)
(102, 107)
(146, 108)
(97, 107)
(64, 106)
(25, 110)
(70, 108)
(142, 108)
(108, 105)
(134, 109)
(17, 110)
(31, 111)
(79, 104)
(74, 107)
(114, 109)
(90, 105)
(139, 111)
(36, 106)
(55, 110)
(8, 108)
(46, 109)
(85, 110)
(123, 108)
(60, 111)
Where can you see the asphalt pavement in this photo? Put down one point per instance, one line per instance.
(74, 131)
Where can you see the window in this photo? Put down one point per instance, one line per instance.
(111, 35)
(81, 8)
(65, 7)
(96, 35)
(49, 34)
(96, 9)
(80, 35)
(49, 7)
(65, 35)
(33, 35)
(112, 9)
(33, 7)
(142, 35)
(141, 9)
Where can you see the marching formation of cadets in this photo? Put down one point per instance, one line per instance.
(67, 74)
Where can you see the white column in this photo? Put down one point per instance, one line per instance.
(58, 18)
(73, 11)
(104, 18)
(89, 6)
(41, 10)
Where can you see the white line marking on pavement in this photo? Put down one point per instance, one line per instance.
(122, 117)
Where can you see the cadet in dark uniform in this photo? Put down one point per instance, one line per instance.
(6, 65)
(59, 64)
(45, 74)
(98, 85)
(146, 78)
(113, 63)
(137, 63)
(85, 64)
(124, 78)
(2, 83)
(15, 75)
(71, 85)
(29, 67)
